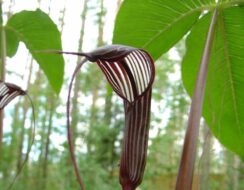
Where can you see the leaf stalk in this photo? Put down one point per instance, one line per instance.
(186, 169)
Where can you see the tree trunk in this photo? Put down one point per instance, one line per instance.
(206, 157)
(232, 171)
(2, 68)
(92, 119)
(118, 5)
(236, 173)
(42, 181)
(22, 132)
(14, 134)
(100, 41)
(10, 12)
(47, 143)
(21, 137)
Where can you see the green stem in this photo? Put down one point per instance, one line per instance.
(186, 169)
(231, 3)
(2, 66)
(219, 6)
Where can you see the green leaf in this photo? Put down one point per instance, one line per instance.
(38, 32)
(223, 107)
(12, 42)
(156, 25)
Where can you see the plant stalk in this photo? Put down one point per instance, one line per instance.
(128, 188)
(69, 135)
(186, 169)
(2, 65)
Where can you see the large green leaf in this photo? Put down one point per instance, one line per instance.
(12, 42)
(156, 25)
(224, 97)
(38, 32)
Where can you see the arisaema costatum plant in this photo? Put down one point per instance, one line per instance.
(130, 72)
(9, 91)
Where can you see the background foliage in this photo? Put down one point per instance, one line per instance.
(97, 115)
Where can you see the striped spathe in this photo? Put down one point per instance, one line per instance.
(131, 78)
(130, 72)
(8, 92)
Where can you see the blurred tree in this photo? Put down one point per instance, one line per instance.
(2, 66)
(205, 159)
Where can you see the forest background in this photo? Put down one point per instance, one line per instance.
(98, 115)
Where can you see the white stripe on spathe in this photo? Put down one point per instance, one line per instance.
(118, 81)
(7, 98)
(11, 97)
(130, 76)
(135, 72)
(145, 66)
(3, 90)
(138, 73)
(111, 78)
(142, 77)
(127, 89)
